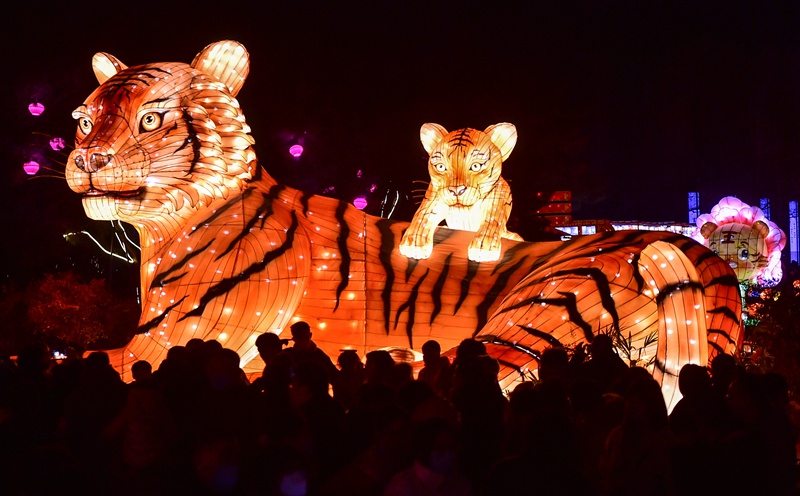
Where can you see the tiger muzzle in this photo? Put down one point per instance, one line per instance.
(92, 161)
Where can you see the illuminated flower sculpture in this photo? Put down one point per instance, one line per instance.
(228, 253)
(744, 238)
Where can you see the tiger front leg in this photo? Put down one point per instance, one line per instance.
(486, 245)
(417, 241)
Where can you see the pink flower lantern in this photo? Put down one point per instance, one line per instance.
(360, 202)
(57, 144)
(31, 167)
(36, 108)
(296, 150)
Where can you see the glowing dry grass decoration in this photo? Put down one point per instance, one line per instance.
(466, 190)
(745, 239)
(228, 253)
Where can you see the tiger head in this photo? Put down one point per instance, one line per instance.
(161, 140)
(466, 164)
(743, 247)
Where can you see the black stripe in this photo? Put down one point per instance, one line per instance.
(229, 283)
(551, 340)
(509, 255)
(637, 276)
(726, 312)
(161, 278)
(472, 269)
(412, 264)
(669, 289)
(158, 100)
(304, 202)
(344, 252)
(663, 368)
(705, 256)
(716, 347)
(436, 294)
(569, 301)
(192, 139)
(385, 256)
(727, 280)
(720, 332)
(224, 208)
(262, 212)
(603, 287)
(441, 234)
(157, 320)
(411, 305)
(499, 284)
(492, 339)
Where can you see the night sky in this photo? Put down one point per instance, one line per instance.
(630, 105)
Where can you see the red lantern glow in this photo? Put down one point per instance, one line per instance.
(360, 202)
(31, 167)
(36, 108)
(296, 150)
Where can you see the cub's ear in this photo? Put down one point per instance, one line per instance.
(707, 229)
(106, 65)
(761, 228)
(227, 61)
(504, 137)
(431, 135)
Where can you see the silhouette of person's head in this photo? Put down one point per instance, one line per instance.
(694, 381)
(349, 361)
(469, 348)
(268, 345)
(554, 364)
(602, 346)
(431, 351)
(301, 334)
(141, 370)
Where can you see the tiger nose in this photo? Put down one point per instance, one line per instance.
(97, 161)
(457, 190)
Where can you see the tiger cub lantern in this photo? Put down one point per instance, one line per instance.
(745, 239)
(466, 190)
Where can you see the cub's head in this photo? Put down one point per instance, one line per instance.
(159, 140)
(466, 164)
(743, 247)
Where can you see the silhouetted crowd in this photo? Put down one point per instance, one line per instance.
(588, 425)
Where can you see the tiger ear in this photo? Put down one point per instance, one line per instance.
(761, 228)
(227, 61)
(707, 229)
(504, 137)
(431, 135)
(106, 65)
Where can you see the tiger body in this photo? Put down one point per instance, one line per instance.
(228, 253)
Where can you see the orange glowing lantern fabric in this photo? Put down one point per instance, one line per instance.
(228, 253)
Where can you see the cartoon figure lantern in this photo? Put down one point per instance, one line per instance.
(228, 253)
(745, 239)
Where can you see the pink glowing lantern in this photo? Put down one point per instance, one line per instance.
(296, 150)
(57, 144)
(31, 167)
(36, 108)
(360, 202)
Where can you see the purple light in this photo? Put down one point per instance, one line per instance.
(296, 150)
(57, 144)
(31, 167)
(360, 202)
(372, 188)
(36, 108)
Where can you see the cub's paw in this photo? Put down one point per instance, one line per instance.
(482, 249)
(415, 250)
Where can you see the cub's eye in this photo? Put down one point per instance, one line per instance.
(439, 167)
(85, 125)
(150, 122)
(475, 167)
(744, 253)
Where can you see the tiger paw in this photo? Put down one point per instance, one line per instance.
(419, 250)
(482, 249)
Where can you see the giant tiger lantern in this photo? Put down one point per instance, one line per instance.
(745, 239)
(228, 253)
